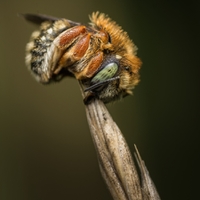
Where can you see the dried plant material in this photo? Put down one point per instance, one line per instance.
(114, 157)
(115, 160)
(148, 188)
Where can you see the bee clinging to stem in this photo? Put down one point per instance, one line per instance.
(100, 55)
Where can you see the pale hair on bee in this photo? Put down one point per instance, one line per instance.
(100, 55)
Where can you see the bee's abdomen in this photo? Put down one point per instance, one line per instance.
(39, 46)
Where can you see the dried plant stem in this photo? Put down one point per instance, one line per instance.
(115, 160)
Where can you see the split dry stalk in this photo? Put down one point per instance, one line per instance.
(115, 160)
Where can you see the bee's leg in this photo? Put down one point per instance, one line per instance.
(81, 46)
(66, 38)
(92, 67)
(75, 44)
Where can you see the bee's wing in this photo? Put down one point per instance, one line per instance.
(39, 18)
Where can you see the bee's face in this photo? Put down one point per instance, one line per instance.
(101, 55)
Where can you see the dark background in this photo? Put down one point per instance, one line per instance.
(46, 151)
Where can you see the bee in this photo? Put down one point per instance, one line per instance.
(100, 55)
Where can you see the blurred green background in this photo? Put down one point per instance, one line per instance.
(46, 151)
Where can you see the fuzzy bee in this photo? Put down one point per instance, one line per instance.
(100, 55)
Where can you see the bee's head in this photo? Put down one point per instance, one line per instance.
(115, 78)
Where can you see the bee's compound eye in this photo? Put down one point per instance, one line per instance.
(107, 72)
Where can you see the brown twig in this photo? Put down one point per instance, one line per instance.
(115, 160)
